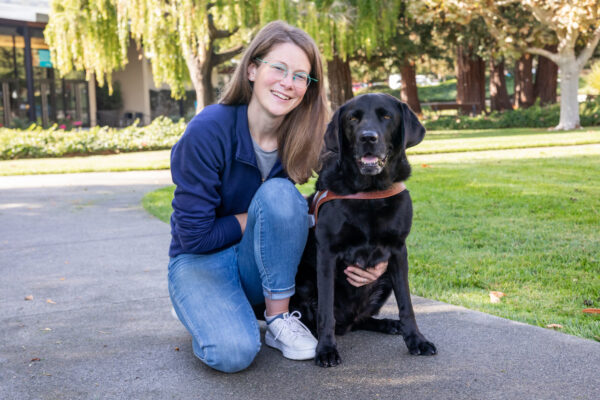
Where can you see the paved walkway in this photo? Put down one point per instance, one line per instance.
(99, 327)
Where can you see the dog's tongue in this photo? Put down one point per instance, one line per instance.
(369, 159)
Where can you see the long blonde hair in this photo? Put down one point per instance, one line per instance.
(301, 131)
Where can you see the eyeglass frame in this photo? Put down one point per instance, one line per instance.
(286, 70)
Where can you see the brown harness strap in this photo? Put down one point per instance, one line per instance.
(328, 195)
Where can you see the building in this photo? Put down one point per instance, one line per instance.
(31, 90)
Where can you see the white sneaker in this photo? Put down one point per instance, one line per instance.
(291, 337)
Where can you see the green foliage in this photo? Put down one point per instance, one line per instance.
(87, 35)
(93, 35)
(532, 117)
(36, 142)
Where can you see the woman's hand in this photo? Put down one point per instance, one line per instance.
(359, 277)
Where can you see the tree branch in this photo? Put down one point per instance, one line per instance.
(215, 33)
(544, 16)
(545, 53)
(220, 58)
(589, 49)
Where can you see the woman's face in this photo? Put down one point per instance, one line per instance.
(272, 94)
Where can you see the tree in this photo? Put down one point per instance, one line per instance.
(571, 22)
(468, 36)
(546, 79)
(345, 30)
(179, 36)
(574, 24)
(499, 100)
(524, 94)
(184, 38)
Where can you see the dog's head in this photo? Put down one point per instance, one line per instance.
(371, 129)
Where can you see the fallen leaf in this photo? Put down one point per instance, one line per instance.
(35, 359)
(46, 329)
(425, 165)
(30, 297)
(62, 279)
(554, 326)
(592, 311)
(50, 301)
(496, 296)
(176, 348)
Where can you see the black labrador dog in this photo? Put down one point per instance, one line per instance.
(365, 147)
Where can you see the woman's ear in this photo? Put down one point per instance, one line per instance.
(251, 72)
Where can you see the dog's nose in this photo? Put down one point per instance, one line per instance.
(369, 137)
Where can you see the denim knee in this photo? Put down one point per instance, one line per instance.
(227, 355)
(285, 203)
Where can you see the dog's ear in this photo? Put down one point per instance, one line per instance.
(412, 131)
(334, 134)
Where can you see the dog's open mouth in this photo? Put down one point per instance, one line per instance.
(371, 161)
(370, 164)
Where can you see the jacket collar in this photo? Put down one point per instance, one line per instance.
(245, 150)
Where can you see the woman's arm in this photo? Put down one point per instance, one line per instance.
(196, 160)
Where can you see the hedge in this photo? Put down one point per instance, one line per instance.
(37, 142)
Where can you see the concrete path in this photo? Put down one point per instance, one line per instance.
(99, 327)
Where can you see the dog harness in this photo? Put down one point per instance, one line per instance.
(327, 195)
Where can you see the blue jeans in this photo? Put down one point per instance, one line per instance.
(212, 293)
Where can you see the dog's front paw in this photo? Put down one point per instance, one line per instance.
(327, 356)
(419, 346)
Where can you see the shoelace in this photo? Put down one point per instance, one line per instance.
(293, 323)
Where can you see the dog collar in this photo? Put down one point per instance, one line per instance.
(327, 195)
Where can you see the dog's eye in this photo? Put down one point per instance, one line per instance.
(387, 117)
(353, 118)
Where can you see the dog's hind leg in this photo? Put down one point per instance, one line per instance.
(384, 325)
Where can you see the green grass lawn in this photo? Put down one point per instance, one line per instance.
(528, 228)
(525, 227)
(143, 160)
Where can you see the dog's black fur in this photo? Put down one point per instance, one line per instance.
(365, 151)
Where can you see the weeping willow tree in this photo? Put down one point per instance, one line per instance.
(181, 37)
(184, 38)
(348, 30)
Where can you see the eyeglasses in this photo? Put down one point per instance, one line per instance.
(300, 80)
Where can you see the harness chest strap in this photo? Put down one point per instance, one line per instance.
(327, 195)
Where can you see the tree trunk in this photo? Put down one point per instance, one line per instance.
(569, 85)
(409, 92)
(546, 81)
(201, 65)
(470, 85)
(499, 100)
(524, 97)
(200, 73)
(340, 81)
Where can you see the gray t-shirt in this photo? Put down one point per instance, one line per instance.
(264, 159)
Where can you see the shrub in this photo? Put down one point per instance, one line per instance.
(36, 142)
(532, 117)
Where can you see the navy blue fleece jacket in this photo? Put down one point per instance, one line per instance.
(214, 168)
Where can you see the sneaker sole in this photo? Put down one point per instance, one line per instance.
(292, 354)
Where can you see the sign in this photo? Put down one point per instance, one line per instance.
(44, 58)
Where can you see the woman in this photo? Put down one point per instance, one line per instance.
(239, 225)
